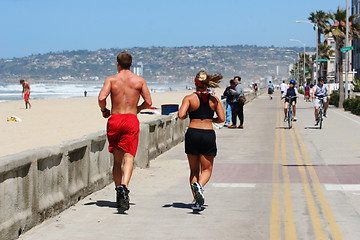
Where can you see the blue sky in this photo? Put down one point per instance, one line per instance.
(39, 26)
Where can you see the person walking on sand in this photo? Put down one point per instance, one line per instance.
(238, 103)
(123, 125)
(200, 139)
(26, 92)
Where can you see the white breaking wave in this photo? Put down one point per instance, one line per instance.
(11, 92)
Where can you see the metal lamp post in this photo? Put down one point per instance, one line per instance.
(298, 67)
(317, 47)
(295, 40)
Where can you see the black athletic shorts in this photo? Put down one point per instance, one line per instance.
(200, 141)
(292, 100)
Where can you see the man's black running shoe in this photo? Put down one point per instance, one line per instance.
(122, 197)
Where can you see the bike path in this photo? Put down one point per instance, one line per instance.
(268, 182)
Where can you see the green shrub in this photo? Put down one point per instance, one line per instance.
(346, 104)
(334, 99)
(356, 83)
(357, 110)
(301, 91)
(355, 106)
(352, 105)
(357, 88)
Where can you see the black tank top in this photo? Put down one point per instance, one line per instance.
(204, 111)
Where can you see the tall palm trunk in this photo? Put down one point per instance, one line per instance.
(324, 71)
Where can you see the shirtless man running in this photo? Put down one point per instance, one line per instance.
(25, 92)
(123, 125)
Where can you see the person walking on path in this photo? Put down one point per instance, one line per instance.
(200, 139)
(238, 103)
(125, 88)
(270, 89)
(307, 93)
(229, 102)
(26, 92)
(283, 88)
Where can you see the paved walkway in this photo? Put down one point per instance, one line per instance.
(268, 182)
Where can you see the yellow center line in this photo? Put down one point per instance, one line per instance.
(329, 216)
(289, 223)
(275, 225)
(313, 211)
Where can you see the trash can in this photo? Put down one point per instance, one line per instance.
(166, 109)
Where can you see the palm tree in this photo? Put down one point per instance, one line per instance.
(321, 20)
(325, 52)
(338, 30)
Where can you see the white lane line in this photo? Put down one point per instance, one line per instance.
(342, 187)
(234, 185)
(355, 121)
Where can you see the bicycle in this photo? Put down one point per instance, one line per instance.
(321, 109)
(289, 111)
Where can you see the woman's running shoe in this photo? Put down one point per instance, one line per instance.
(199, 193)
(196, 206)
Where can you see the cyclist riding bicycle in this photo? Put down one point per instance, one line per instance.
(320, 91)
(290, 95)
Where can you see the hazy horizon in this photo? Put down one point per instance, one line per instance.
(39, 26)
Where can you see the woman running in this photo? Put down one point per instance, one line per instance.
(200, 139)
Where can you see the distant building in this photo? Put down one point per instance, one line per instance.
(138, 69)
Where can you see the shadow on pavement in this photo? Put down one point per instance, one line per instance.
(107, 204)
(178, 205)
(282, 128)
(185, 206)
(311, 127)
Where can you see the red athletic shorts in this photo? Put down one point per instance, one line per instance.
(26, 96)
(123, 132)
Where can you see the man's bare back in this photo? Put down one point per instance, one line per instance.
(126, 89)
(25, 85)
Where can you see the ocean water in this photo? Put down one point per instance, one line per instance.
(12, 92)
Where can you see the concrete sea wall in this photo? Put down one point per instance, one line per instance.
(38, 184)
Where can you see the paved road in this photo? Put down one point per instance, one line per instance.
(269, 182)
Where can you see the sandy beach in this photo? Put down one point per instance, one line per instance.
(51, 121)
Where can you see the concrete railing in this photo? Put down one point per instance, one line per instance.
(40, 183)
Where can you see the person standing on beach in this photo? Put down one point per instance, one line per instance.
(26, 92)
(200, 139)
(125, 89)
(238, 103)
